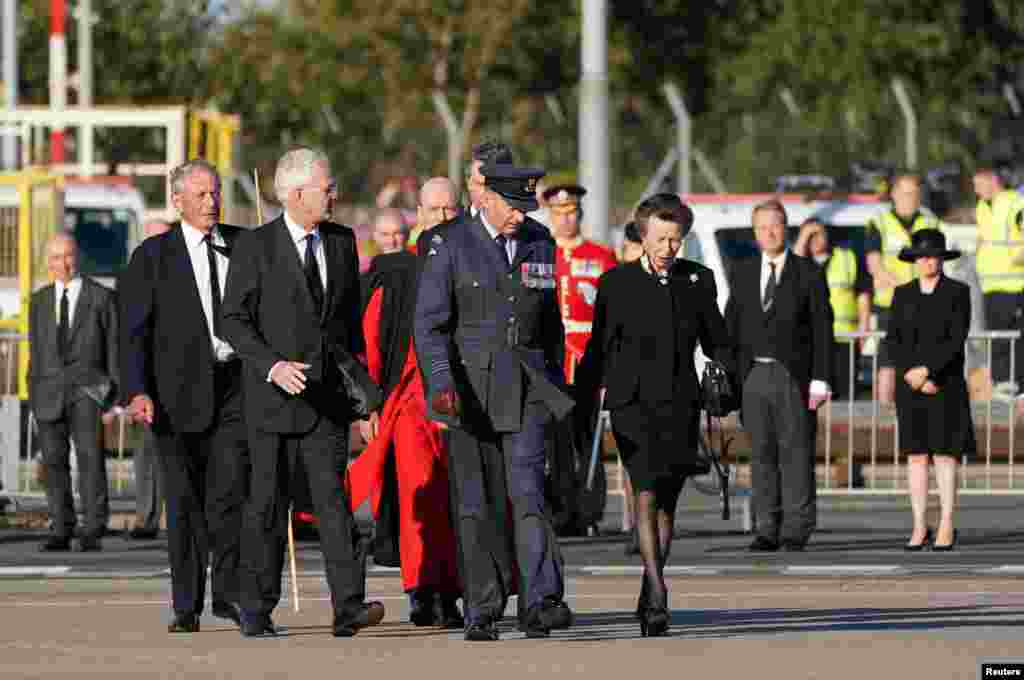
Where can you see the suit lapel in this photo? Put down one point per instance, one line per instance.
(524, 249)
(488, 246)
(334, 266)
(288, 256)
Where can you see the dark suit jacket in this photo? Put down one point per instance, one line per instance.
(799, 324)
(92, 352)
(166, 351)
(478, 327)
(268, 316)
(620, 351)
(931, 339)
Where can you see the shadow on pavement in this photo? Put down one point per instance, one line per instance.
(718, 623)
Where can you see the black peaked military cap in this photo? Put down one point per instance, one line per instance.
(518, 186)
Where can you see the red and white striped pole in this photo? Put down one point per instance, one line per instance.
(58, 75)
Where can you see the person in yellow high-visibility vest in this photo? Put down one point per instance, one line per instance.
(887, 233)
(1000, 264)
(849, 294)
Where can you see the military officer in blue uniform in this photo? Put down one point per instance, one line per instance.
(489, 337)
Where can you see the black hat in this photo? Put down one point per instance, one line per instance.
(928, 243)
(518, 186)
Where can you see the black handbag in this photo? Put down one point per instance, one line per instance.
(717, 393)
(720, 400)
(364, 395)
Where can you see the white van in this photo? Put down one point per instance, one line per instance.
(106, 218)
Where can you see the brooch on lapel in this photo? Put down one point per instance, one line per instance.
(431, 252)
(437, 239)
(693, 278)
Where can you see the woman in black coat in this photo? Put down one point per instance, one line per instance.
(648, 318)
(931, 317)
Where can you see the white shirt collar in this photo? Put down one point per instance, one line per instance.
(297, 231)
(779, 260)
(194, 237)
(73, 285)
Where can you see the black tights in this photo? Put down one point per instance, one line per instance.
(655, 512)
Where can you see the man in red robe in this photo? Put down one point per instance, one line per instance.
(404, 440)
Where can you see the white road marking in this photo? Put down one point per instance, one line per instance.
(826, 569)
(33, 571)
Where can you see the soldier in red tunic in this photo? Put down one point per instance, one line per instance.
(579, 264)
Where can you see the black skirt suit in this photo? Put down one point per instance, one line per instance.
(930, 329)
(642, 351)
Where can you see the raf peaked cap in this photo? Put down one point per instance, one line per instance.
(518, 186)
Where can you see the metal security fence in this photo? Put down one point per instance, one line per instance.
(873, 469)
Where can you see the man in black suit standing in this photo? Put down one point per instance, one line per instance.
(72, 379)
(293, 312)
(780, 318)
(183, 379)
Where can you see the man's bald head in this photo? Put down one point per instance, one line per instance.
(389, 231)
(437, 202)
(62, 256)
(155, 228)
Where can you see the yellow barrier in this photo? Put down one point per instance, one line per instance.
(40, 212)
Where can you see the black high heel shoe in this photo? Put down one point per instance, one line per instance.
(654, 622)
(946, 548)
(918, 547)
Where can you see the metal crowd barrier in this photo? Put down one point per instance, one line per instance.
(883, 473)
(18, 472)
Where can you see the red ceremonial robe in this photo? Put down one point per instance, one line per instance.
(426, 538)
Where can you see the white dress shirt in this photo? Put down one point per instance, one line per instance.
(298, 234)
(510, 241)
(818, 388)
(197, 253)
(74, 287)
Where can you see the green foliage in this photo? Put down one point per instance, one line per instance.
(356, 77)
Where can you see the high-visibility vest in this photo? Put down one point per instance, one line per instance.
(997, 227)
(841, 275)
(894, 239)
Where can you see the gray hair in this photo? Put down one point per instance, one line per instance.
(183, 171)
(295, 169)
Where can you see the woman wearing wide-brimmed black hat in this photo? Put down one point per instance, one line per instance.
(931, 317)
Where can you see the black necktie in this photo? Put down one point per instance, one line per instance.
(63, 326)
(769, 289)
(312, 271)
(501, 240)
(211, 256)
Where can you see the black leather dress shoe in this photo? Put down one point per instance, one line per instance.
(792, 545)
(481, 631)
(256, 625)
(227, 610)
(90, 543)
(140, 534)
(422, 609)
(762, 544)
(55, 544)
(369, 614)
(184, 623)
(447, 614)
(543, 618)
